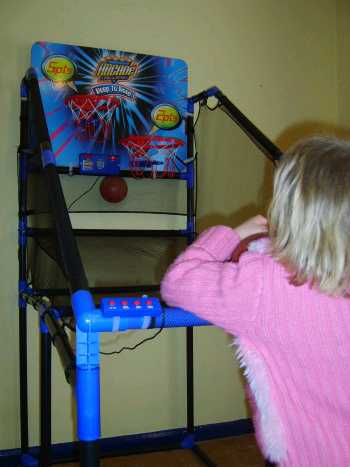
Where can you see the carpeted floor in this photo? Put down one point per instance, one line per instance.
(239, 451)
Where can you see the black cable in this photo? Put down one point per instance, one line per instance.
(118, 212)
(116, 352)
(218, 104)
(83, 194)
(198, 114)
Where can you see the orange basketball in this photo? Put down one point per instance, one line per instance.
(244, 244)
(113, 189)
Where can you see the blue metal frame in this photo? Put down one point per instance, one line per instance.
(132, 444)
(90, 320)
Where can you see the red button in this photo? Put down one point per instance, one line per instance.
(111, 303)
(137, 302)
(124, 303)
(149, 302)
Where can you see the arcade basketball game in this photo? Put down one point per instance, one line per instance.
(103, 123)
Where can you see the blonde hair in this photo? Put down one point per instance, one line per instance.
(309, 216)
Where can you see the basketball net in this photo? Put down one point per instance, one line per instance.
(93, 115)
(155, 154)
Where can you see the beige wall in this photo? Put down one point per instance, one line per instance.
(343, 42)
(277, 61)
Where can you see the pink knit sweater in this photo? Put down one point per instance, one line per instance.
(294, 343)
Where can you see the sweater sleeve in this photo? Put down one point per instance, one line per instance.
(203, 281)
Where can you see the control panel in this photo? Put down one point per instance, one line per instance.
(99, 164)
(131, 306)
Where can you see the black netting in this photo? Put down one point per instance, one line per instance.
(45, 266)
(108, 261)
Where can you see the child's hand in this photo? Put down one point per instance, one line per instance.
(257, 224)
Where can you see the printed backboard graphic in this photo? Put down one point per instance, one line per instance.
(113, 103)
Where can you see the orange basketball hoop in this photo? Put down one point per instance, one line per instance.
(93, 115)
(156, 154)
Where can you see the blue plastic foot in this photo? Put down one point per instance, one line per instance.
(28, 460)
(188, 442)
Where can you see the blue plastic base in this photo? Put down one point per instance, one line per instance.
(188, 442)
(131, 444)
(28, 460)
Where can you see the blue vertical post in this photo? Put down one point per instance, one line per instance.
(87, 381)
(88, 397)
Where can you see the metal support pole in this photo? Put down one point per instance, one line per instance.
(22, 266)
(190, 391)
(23, 378)
(190, 238)
(45, 397)
(89, 454)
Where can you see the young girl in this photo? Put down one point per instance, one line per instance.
(287, 304)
